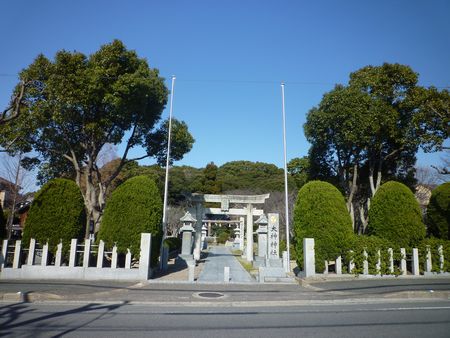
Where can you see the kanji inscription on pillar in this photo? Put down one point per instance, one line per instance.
(274, 236)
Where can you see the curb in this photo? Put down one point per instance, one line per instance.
(403, 296)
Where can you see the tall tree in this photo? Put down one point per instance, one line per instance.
(76, 104)
(210, 183)
(299, 169)
(372, 129)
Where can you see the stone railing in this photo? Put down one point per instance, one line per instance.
(406, 264)
(86, 261)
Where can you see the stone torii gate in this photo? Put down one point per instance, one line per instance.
(225, 200)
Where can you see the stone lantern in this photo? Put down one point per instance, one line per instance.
(262, 223)
(187, 241)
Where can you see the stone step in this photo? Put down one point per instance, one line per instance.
(281, 280)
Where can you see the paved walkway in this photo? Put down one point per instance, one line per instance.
(218, 258)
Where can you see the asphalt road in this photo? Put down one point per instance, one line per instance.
(406, 319)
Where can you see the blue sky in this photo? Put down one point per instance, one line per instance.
(229, 57)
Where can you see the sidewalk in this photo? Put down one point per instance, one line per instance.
(218, 258)
(200, 294)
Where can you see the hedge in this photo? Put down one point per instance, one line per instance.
(438, 212)
(56, 214)
(320, 213)
(135, 207)
(395, 215)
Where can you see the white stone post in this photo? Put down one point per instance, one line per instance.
(309, 260)
(428, 263)
(17, 252)
(31, 249)
(44, 254)
(338, 265)
(403, 261)
(441, 258)
(391, 260)
(365, 263)
(378, 265)
(249, 253)
(242, 233)
(73, 252)
(114, 257)
(3, 254)
(415, 262)
(226, 274)
(100, 254)
(58, 257)
(325, 270)
(285, 261)
(198, 230)
(87, 252)
(128, 260)
(351, 264)
(191, 272)
(145, 270)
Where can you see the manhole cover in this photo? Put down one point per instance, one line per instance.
(210, 295)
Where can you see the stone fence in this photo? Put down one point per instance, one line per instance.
(85, 261)
(408, 263)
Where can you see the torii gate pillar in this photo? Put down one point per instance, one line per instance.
(249, 251)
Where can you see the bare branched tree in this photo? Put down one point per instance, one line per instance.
(18, 181)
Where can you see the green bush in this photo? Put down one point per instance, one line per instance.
(223, 237)
(320, 213)
(438, 212)
(173, 243)
(373, 246)
(434, 244)
(395, 215)
(3, 232)
(135, 207)
(56, 214)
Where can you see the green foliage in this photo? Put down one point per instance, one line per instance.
(210, 183)
(57, 213)
(222, 234)
(183, 180)
(299, 169)
(376, 249)
(375, 124)
(173, 243)
(292, 252)
(438, 212)
(395, 215)
(255, 176)
(135, 207)
(320, 213)
(433, 244)
(3, 232)
(76, 104)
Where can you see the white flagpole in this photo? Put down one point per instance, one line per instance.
(166, 181)
(285, 181)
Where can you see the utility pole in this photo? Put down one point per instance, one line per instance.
(285, 180)
(166, 181)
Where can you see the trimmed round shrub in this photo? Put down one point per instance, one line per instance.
(438, 212)
(395, 215)
(135, 207)
(320, 213)
(56, 214)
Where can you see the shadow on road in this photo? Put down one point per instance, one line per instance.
(11, 316)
